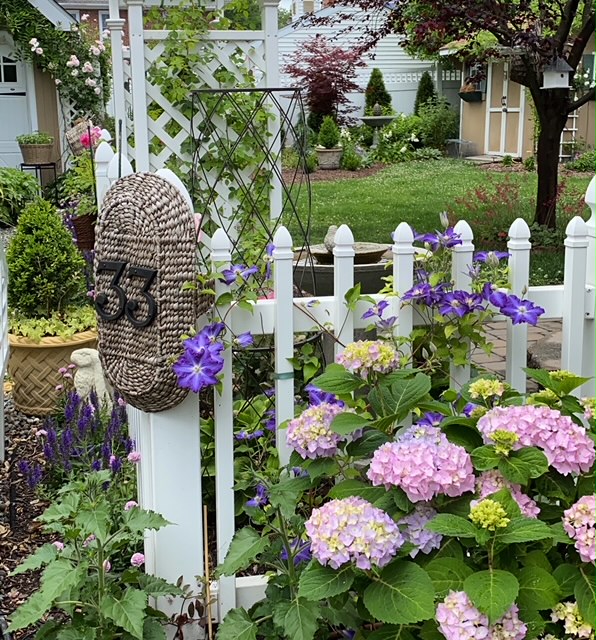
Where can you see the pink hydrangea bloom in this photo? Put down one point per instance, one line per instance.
(413, 528)
(492, 481)
(352, 530)
(424, 464)
(59, 545)
(131, 504)
(134, 456)
(459, 619)
(310, 433)
(137, 559)
(365, 356)
(565, 444)
(578, 522)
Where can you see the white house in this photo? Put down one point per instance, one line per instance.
(401, 72)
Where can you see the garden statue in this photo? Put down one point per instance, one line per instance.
(89, 376)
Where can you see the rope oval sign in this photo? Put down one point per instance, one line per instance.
(145, 250)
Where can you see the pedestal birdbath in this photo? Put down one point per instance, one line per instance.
(377, 122)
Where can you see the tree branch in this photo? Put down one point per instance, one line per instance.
(566, 23)
(579, 44)
(590, 95)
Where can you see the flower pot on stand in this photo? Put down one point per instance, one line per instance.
(36, 153)
(329, 158)
(33, 367)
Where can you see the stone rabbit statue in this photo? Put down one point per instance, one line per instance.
(89, 375)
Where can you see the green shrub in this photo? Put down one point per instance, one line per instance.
(375, 92)
(329, 133)
(507, 161)
(39, 137)
(425, 93)
(427, 153)
(312, 162)
(290, 159)
(45, 270)
(17, 188)
(439, 122)
(530, 164)
(405, 128)
(585, 162)
(350, 159)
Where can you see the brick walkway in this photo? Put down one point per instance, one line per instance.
(548, 330)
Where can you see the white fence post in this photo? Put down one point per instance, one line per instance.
(3, 339)
(343, 281)
(574, 293)
(118, 168)
(116, 24)
(403, 279)
(283, 258)
(169, 443)
(519, 247)
(139, 90)
(463, 255)
(221, 256)
(588, 368)
(103, 156)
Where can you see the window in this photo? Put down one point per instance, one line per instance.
(8, 70)
(76, 14)
(588, 63)
(102, 23)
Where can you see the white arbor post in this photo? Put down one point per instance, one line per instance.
(139, 96)
(116, 24)
(403, 279)
(463, 255)
(588, 369)
(343, 281)
(221, 256)
(119, 167)
(574, 294)
(103, 156)
(3, 340)
(519, 247)
(283, 258)
(169, 443)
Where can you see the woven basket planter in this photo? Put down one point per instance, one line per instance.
(73, 136)
(34, 366)
(84, 227)
(36, 153)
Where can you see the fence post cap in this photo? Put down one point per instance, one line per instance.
(220, 241)
(104, 153)
(519, 230)
(125, 166)
(590, 198)
(344, 236)
(282, 239)
(403, 234)
(576, 228)
(464, 230)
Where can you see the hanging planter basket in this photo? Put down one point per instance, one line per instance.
(84, 227)
(470, 96)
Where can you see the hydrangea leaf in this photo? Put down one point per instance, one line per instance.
(492, 592)
(451, 525)
(524, 464)
(406, 393)
(348, 488)
(391, 632)
(237, 625)
(336, 379)
(246, 545)
(485, 458)
(347, 422)
(318, 582)
(42, 556)
(320, 467)
(284, 495)
(152, 630)
(127, 612)
(585, 595)
(403, 593)
(367, 444)
(447, 574)
(566, 576)
(537, 589)
(300, 622)
(524, 530)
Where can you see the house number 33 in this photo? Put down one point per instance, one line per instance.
(125, 305)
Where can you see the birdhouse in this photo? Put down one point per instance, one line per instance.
(556, 75)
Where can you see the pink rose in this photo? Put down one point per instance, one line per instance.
(137, 559)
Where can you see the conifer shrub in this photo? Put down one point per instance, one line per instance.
(425, 93)
(329, 133)
(376, 93)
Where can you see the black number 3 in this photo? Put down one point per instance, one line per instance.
(125, 305)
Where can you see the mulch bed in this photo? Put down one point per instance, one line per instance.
(20, 534)
(336, 174)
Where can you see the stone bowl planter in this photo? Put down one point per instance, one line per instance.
(329, 158)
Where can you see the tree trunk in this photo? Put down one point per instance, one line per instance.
(552, 113)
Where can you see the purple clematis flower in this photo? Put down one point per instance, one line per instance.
(236, 271)
(198, 369)
(522, 311)
(424, 293)
(260, 499)
(301, 551)
(469, 409)
(460, 303)
(376, 310)
(244, 340)
(447, 239)
(498, 298)
(317, 396)
(386, 324)
(431, 419)
(486, 256)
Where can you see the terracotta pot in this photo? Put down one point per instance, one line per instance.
(34, 366)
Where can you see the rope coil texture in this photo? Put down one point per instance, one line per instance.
(146, 222)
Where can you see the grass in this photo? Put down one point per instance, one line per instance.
(416, 192)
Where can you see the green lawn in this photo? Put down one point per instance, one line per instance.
(415, 192)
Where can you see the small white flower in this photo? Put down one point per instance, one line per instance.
(74, 72)
(39, 51)
(87, 67)
(85, 17)
(97, 90)
(33, 42)
(94, 51)
(90, 82)
(58, 81)
(403, 150)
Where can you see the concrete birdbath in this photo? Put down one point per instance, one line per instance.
(377, 122)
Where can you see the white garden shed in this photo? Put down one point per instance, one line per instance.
(401, 71)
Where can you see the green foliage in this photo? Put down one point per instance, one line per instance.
(37, 137)
(63, 324)
(76, 187)
(46, 272)
(439, 122)
(530, 163)
(329, 133)
(350, 159)
(375, 92)
(17, 188)
(96, 598)
(507, 161)
(425, 92)
(584, 162)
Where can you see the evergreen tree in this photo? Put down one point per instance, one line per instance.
(426, 91)
(376, 93)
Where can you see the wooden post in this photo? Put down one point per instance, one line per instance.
(519, 279)
(343, 281)
(283, 258)
(116, 24)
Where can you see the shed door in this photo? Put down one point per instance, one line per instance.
(14, 114)
(504, 113)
